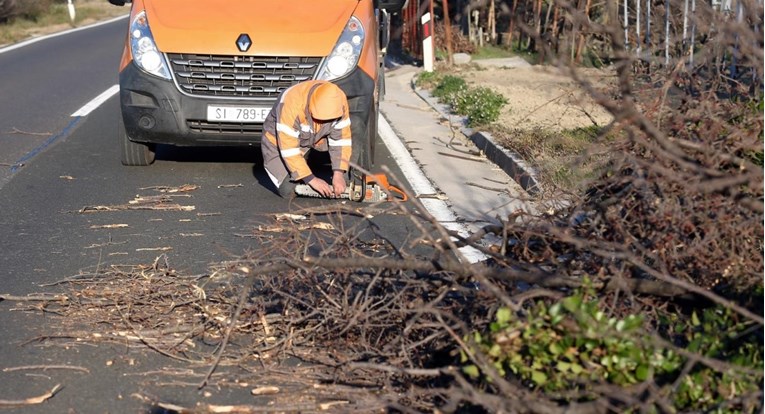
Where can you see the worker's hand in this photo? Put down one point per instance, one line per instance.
(321, 187)
(338, 182)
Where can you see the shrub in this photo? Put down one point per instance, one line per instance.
(32, 9)
(565, 345)
(26, 9)
(426, 79)
(448, 87)
(481, 105)
(7, 10)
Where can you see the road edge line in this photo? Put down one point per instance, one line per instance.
(421, 185)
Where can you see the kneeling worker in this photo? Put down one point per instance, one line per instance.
(309, 115)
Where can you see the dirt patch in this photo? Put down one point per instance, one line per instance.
(542, 97)
(550, 120)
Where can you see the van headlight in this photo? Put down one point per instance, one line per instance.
(346, 53)
(144, 50)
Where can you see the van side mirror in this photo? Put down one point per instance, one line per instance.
(119, 2)
(391, 6)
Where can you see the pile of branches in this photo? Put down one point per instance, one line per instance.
(459, 42)
(380, 324)
(355, 307)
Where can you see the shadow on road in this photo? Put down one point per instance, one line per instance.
(210, 154)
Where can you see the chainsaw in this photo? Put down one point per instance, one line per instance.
(370, 189)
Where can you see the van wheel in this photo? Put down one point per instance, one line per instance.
(364, 148)
(134, 153)
(367, 159)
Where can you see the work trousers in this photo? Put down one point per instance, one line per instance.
(277, 169)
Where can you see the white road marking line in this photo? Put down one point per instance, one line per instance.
(421, 185)
(37, 39)
(97, 101)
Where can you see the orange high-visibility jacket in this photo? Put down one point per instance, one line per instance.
(292, 131)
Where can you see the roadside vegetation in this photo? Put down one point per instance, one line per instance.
(22, 19)
(480, 105)
(643, 294)
(566, 160)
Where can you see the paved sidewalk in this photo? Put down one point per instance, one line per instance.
(476, 190)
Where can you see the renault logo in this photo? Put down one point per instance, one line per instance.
(243, 42)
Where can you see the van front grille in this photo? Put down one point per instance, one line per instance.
(225, 128)
(256, 77)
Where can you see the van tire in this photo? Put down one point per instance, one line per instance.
(366, 157)
(134, 153)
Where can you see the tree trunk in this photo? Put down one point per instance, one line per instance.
(556, 16)
(582, 38)
(575, 25)
(448, 31)
(511, 28)
(537, 23)
(492, 23)
(546, 25)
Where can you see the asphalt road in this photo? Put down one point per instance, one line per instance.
(55, 165)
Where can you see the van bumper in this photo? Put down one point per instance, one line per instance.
(156, 112)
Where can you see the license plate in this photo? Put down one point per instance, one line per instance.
(246, 114)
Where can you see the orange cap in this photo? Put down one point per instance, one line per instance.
(327, 102)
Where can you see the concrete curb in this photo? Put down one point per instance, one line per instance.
(510, 162)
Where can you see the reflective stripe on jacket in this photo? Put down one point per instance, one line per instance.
(292, 131)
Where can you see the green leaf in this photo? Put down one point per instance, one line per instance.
(471, 371)
(495, 351)
(503, 316)
(642, 372)
(494, 327)
(695, 319)
(633, 322)
(555, 348)
(555, 310)
(620, 325)
(538, 377)
(576, 369)
(572, 303)
(563, 366)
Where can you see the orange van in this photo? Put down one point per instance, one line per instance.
(206, 72)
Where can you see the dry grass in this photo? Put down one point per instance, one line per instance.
(566, 161)
(57, 19)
